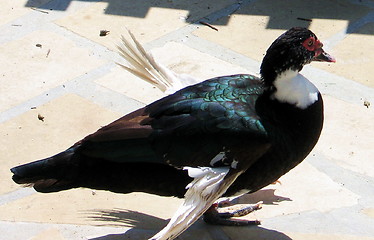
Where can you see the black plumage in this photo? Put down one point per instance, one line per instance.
(234, 121)
(187, 128)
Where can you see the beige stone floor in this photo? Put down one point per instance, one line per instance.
(55, 64)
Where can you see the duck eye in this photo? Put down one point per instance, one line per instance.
(310, 42)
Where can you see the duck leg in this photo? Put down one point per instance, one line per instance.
(215, 217)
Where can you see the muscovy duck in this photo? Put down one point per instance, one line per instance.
(224, 136)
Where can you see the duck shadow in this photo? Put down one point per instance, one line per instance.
(143, 226)
(267, 196)
(244, 233)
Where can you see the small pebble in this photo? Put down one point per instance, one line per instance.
(367, 104)
(104, 33)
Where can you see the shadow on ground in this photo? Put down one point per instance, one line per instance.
(243, 233)
(281, 14)
(124, 218)
(144, 226)
(266, 195)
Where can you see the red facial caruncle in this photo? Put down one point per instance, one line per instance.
(313, 45)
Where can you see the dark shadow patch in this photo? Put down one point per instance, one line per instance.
(144, 226)
(282, 14)
(266, 195)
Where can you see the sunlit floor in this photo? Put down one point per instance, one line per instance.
(59, 82)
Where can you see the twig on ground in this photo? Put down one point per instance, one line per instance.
(304, 19)
(207, 24)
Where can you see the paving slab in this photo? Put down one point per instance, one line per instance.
(12, 10)
(181, 59)
(185, 60)
(355, 57)
(72, 82)
(252, 28)
(298, 236)
(123, 82)
(265, 234)
(369, 212)
(291, 195)
(51, 233)
(38, 62)
(94, 208)
(149, 20)
(347, 136)
(65, 121)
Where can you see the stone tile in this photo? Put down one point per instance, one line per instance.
(149, 19)
(48, 234)
(119, 80)
(30, 230)
(31, 70)
(255, 232)
(19, 230)
(11, 10)
(252, 29)
(354, 56)
(261, 233)
(95, 208)
(66, 120)
(368, 212)
(179, 58)
(319, 236)
(347, 135)
(70, 214)
(290, 195)
(183, 59)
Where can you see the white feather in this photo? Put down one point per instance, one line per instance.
(142, 64)
(209, 184)
(294, 88)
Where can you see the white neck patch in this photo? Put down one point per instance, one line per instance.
(295, 89)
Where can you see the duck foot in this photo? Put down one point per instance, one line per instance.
(214, 217)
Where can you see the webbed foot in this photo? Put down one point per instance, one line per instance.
(215, 217)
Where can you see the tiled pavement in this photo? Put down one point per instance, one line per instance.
(55, 64)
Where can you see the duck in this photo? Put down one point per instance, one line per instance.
(222, 137)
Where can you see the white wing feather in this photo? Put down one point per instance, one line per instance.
(208, 185)
(143, 65)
